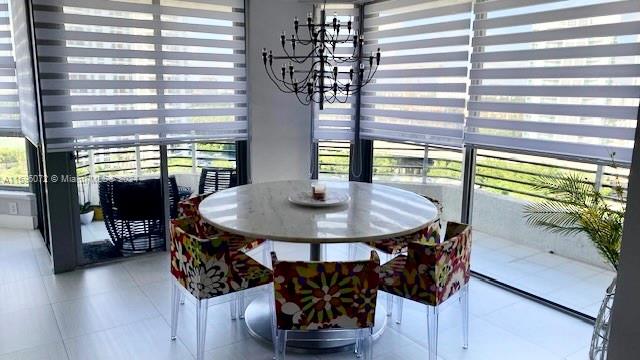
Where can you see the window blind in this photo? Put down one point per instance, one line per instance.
(557, 77)
(25, 80)
(116, 73)
(337, 121)
(420, 87)
(9, 111)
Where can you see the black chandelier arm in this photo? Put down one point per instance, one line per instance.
(274, 79)
(307, 100)
(290, 86)
(295, 58)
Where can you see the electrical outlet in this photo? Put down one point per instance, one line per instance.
(13, 208)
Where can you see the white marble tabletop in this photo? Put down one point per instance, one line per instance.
(263, 210)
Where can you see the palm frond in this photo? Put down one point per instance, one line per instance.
(575, 207)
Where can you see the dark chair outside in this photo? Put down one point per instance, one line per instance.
(216, 179)
(133, 212)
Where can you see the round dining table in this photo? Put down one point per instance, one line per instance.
(373, 212)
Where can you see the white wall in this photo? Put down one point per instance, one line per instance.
(280, 125)
(25, 203)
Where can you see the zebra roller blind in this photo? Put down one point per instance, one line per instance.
(558, 77)
(25, 80)
(9, 110)
(337, 120)
(420, 87)
(117, 73)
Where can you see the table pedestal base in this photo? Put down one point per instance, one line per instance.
(258, 319)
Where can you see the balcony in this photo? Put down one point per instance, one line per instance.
(566, 270)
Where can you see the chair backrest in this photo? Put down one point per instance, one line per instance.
(188, 208)
(216, 179)
(133, 213)
(319, 295)
(200, 265)
(438, 271)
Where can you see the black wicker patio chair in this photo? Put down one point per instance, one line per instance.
(133, 213)
(216, 179)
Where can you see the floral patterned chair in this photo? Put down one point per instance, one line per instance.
(188, 208)
(430, 273)
(206, 267)
(398, 245)
(325, 295)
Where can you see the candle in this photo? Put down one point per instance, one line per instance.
(319, 191)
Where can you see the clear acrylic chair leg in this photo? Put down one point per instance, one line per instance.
(365, 343)
(241, 305)
(201, 325)
(389, 304)
(182, 296)
(281, 347)
(464, 302)
(233, 306)
(399, 303)
(274, 328)
(432, 331)
(176, 294)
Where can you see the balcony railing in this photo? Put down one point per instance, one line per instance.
(145, 160)
(508, 174)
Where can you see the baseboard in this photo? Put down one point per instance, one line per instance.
(17, 222)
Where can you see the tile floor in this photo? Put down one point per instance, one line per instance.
(121, 311)
(96, 231)
(567, 282)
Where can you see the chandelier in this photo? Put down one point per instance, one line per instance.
(331, 77)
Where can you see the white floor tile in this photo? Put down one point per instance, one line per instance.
(541, 325)
(103, 311)
(487, 341)
(19, 266)
(86, 282)
(22, 295)
(147, 339)
(28, 328)
(150, 268)
(53, 351)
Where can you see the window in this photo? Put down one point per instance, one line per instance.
(563, 268)
(561, 77)
(120, 73)
(333, 160)
(397, 162)
(13, 162)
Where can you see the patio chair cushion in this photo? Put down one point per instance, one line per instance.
(127, 196)
(430, 273)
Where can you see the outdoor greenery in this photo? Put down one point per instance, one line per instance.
(503, 176)
(576, 207)
(13, 161)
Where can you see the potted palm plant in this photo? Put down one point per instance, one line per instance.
(574, 206)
